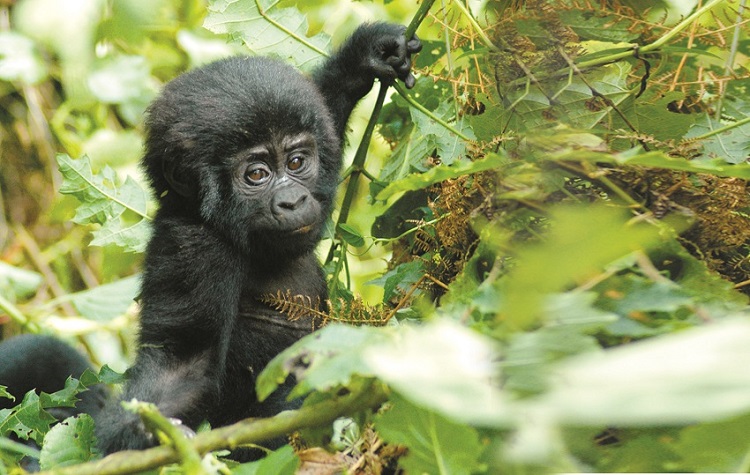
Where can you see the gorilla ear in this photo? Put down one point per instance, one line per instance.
(178, 179)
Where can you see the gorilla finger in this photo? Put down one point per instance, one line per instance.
(410, 81)
(404, 68)
(414, 45)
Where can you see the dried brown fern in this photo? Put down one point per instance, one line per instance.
(354, 312)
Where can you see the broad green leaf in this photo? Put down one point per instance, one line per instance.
(436, 444)
(107, 301)
(695, 375)
(5, 394)
(655, 117)
(326, 359)
(279, 462)
(69, 443)
(423, 139)
(267, 29)
(204, 48)
(714, 446)
(21, 282)
(104, 200)
(119, 79)
(10, 446)
(350, 235)
(418, 181)
(447, 146)
(131, 237)
(19, 60)
(574, 104)
(731, 146)
(399, 281)
(581, 242)
(656, 159)
(591, 23)
(65, 397)
(444, 367)
(27, 420)
(571, 321)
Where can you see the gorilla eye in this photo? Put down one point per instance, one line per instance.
(295, 163)
(257, 175)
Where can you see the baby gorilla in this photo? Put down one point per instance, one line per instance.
(244, 155)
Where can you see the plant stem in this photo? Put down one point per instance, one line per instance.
(229, 437)
(721, 130)
(358, 163)
(629, 52)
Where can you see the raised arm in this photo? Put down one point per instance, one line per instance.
(375, 50)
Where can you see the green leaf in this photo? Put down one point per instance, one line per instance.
(571, 320)
(69, 443)
(4, 392)
(445, 367)
(20, 282)
(436, 445)
(321, 361)
(574, 104)
(656, 118)
(591, 23)
(591, 236)
(731, 146)
(7, 445)
(714, 446)
(266, 29)
(65, 397)
(27, 420)
(104, 201)
(655, 159)
(447, 146)
(19, 60)
(350, 235)
(105, 302)
(279, 462)
(418, 181)
(120, 79)
(696, 375)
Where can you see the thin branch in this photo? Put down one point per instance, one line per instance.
(650, 48)
(358, 163)
(230, 437)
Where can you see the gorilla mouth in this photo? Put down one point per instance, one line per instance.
(303, 229)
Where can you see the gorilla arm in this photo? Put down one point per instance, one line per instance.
(375, 50)
(188, 311)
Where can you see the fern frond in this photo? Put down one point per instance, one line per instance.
(295, 306)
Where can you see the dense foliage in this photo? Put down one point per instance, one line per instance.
(540, 260)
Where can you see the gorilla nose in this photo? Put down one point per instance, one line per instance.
(287, 200)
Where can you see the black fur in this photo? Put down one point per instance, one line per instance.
(244, 156)
(222, 238)
(44, 363)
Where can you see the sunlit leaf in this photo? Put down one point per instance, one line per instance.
(267, 29)
(696, 375)
(19, 60)
(445, 367)
(418, 181)
(104, 200)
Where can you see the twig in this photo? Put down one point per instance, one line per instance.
(358, 163)
(229, 437)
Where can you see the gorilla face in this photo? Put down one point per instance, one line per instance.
(251, 144)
